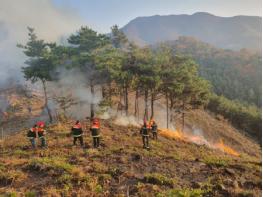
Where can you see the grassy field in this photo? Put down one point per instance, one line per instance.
(120, 167)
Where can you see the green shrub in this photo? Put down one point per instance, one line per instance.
(10, 194)
(64, 179)
(158, 179)
(2, 167)
(182, 193)
(216, 161)
(98, 189)
(70, 179)
(30, 194)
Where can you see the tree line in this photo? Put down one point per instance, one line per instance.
(119, 68)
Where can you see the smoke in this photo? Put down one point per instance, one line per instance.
(50, 22)
(126, 120)
(3, 104)
(198, 137)
(74, 84)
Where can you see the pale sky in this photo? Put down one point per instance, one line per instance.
(102, 14)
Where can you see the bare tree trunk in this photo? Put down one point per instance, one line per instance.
(110, 92)
(167, 111)
(103, 91)
(171, 110)
(92, 113)
(152, 104)
(119, 107)
(136, 105)
(146, 105)
(183, 116)
(46, 101)
(126, 99)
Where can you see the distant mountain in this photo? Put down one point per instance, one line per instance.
(234, 74)
(225, 32)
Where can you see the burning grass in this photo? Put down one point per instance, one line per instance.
(172, 134)
(200, 140)
(226, 149)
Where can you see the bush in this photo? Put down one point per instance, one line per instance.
(30, 194)
(98, 189)
(65, 179)
(216, 161)
(11, 194)
(158, 179)
(74, 178)
(2, 167)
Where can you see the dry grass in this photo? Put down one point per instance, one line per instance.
(118, 167)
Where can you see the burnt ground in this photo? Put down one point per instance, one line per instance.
(122, 168)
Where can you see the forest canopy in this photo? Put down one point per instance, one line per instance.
(233, 74)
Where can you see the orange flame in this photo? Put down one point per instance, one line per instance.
(226, 149)
(197, 140)
(172, 134)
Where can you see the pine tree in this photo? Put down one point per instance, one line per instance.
(41, 63)
(85, 42)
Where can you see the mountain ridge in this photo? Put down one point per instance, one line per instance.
(234, 32)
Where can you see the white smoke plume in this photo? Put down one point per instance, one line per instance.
(50, 23)
(75, 84)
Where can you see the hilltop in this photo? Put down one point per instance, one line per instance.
(235, 32)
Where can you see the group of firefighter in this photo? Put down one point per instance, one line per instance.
(38, 131)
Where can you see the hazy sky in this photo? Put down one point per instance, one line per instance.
(102, 14)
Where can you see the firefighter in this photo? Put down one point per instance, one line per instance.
(145, 135)
(95, 132)
(41, 132)
(154, 129)
(77, 132)
(32, 134)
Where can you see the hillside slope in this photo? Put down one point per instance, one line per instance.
(234, 74)
(210, 158)
(225, 32)
(122, 168)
